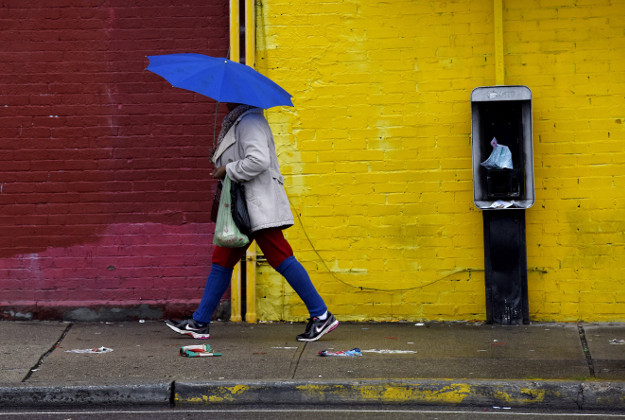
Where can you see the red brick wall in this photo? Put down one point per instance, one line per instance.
(104, 173)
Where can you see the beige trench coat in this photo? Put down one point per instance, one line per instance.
(249, 154)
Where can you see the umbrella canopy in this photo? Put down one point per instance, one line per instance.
(220, 79)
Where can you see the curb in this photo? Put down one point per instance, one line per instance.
(562, 395)
(78, 396)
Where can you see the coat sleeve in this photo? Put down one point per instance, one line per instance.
(252, 138)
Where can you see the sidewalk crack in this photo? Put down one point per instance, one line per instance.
(580, 397)
(582, 337)
(47, 353)
(172, 394)
(295, 361)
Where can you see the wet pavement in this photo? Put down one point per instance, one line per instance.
(564, 366)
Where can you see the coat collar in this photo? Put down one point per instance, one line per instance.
(230, 138)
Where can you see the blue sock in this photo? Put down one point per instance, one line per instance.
(216, 285)
(296, 275)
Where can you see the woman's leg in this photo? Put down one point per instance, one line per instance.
(224, 260)
(279, 254)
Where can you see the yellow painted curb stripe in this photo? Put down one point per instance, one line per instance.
(425, 393)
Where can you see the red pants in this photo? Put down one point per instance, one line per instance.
(271, 241)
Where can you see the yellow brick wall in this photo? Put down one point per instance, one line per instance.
(377, 153)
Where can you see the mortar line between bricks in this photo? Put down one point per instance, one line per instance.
(296, 359)
(47, 353)
(589, 361)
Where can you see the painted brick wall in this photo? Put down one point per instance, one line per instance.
(377, 153)
(576, 231)
(104, 176)
(104, 180)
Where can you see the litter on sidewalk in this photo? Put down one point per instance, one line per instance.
(198, 350)
(344, 353)
(388, 351)
(90, 351)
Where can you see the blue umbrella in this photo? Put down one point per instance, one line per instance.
(220, 79)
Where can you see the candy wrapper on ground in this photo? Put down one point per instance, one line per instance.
(99, 350)
(198, 350)
(345, 353)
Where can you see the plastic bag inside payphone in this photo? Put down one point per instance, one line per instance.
(500, 157)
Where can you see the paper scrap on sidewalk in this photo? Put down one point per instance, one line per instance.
(344, 353)
(198, 350)
(617, 341)
(387, 351)
(90, 351)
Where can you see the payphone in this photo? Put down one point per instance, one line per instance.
(503, 187)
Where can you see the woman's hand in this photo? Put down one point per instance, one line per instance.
(219, 173)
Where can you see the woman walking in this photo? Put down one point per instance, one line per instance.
(246, 153)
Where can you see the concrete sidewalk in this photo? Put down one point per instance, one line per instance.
(563, 366)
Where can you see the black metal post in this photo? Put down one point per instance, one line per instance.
(505, 264)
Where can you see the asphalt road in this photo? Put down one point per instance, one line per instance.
(308, 413)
